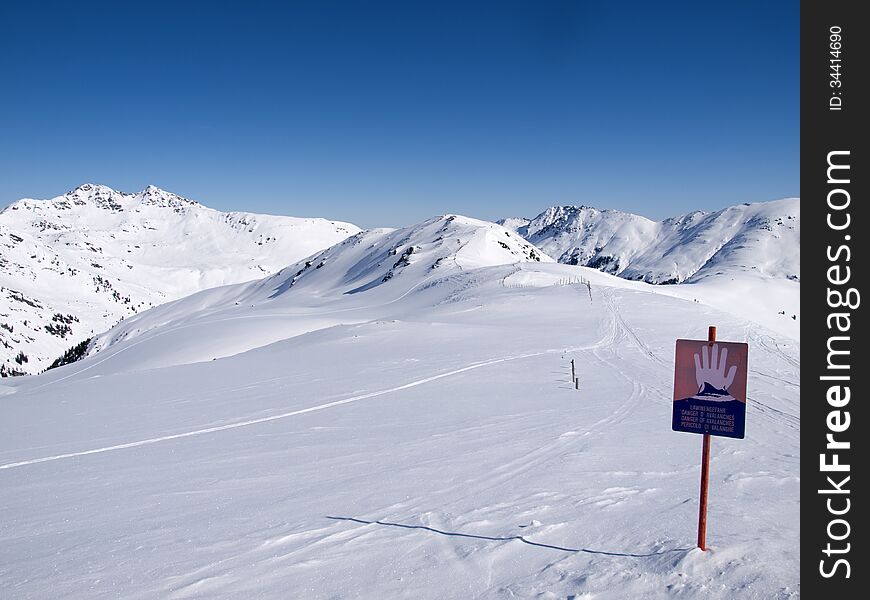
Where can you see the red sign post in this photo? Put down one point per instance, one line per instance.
(710, 399)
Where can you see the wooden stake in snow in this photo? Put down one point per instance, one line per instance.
(705, 473)
(573, 373)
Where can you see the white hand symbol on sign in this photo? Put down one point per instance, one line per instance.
(711, 369)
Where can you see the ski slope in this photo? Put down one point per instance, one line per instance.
(415, 439)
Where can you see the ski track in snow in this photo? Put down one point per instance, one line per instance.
(616, 326)
(310, 409)
(628, 331)
(775, 349)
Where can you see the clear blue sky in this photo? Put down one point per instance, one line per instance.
(386, 113)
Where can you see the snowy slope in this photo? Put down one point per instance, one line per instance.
(74, 265)
(417, 438)
(385, 264)
(762, 238)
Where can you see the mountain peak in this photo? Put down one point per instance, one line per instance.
(107, 198)
(93, 189)
(155, 196)
(83, 189)
(438, 246)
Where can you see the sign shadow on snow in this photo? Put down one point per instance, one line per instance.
(506, 538)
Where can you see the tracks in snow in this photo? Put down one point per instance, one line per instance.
(278, 417)
(626, 329)
(609, 343)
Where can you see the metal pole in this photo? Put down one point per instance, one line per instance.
(705, 473)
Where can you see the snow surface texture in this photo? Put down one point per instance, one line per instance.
(72, 266)
(761, 238)
(400, 424)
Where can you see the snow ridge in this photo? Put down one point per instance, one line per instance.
(763, 238)
(435, 246)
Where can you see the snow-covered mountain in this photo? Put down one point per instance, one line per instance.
(385, 264)
(433, 247)
(72, 266)
(762, 238)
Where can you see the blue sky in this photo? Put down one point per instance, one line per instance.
(386, 113)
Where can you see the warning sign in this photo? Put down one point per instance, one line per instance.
(710, 387)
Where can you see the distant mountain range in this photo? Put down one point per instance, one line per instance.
(72, 266)
(763, 238)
